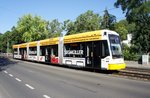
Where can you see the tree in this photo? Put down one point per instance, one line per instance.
(5, 39)
(54, 28)
(32, 28)
(1, 40)
(87, 21)
(123, 28)
(16, 36)
(108, 20)
(138, 12)
(141, 36)
(70, 27)
(8, 39)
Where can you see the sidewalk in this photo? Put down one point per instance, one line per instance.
(135, 64)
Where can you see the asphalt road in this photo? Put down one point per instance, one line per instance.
(32, 80)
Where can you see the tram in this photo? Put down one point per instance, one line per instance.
(99, 49)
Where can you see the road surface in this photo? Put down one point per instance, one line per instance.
(22, 79)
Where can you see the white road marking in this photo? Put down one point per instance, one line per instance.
(29, 86)
(5, 72)
(11, 75)
(18, 79)
(46, 96)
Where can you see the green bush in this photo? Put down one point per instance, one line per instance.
(130, 54)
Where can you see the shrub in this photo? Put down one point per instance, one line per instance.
(130, 54)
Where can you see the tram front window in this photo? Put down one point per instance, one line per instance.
(115, 46)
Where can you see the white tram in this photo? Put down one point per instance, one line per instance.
(99, 49)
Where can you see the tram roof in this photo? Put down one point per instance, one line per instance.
(33, 44)
(80, 37)
(23, 45)
(51, 41)
(15, 46)
(83, 37)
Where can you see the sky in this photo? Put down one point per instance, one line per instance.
(12, 10)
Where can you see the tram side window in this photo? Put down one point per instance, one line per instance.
(74, 50)
(54, 51)
(32, 51)
(42, 51)
(15, 51)
(105, 49)
(21, 51)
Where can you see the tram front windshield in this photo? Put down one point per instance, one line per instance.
(115, 46)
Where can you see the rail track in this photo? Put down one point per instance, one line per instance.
(134, 73)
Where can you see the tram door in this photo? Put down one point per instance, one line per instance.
(89, 54)
(93, 54)
(96, 54)
(23, 53)
(47, 54)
